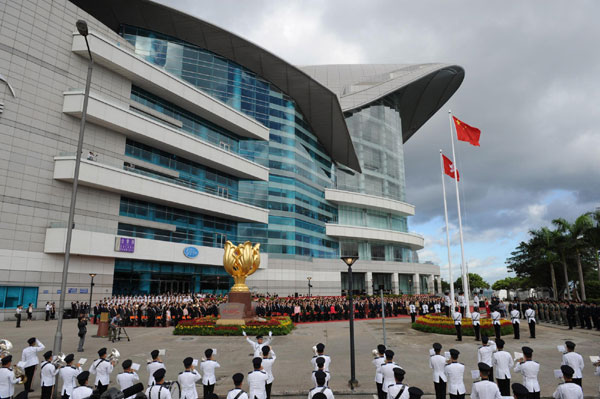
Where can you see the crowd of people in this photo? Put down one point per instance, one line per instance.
(392, 381)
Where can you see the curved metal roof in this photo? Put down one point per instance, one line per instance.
(317, 103)
(416, 91)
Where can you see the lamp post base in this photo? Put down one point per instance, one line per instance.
(353, 384)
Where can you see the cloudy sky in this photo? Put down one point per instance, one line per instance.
(532, 86)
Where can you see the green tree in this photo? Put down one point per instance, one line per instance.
(508, 283)
(475, 282)
(543, 243)
(445, 285)
(593, 237)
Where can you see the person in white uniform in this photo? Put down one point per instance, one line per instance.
(519, 391)
(158, 391)
(237, 392)
(321, 365)
(575, 360)
(7, 378)
(207, 369)
(496, 316)
(530, 370)
(568, 390)
(30, 360)
(502, 362)
(530, 316)
(412, 310)
(437, 362)
(515, 317)
(268, 358)
(69, 374)
(48, 372)
(321, 391)
(457, 317)
(476, 320)
(187, 380)
(484, 353)
(455, 372)
(377, 362)
(484, 389)
(102, 368)
(259, 343)
(82, 391)
(128, 377)
(398, 390)
(154, 365)
(257, 380)
(320, 353)
(387, 370)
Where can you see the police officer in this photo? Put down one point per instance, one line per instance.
(154, 365)
(519, 391)
(415, 393)
(321, 391)
(82, 391)
(412, 309)
(237, 392)
(69, 374)
(48, 373)
(268, 359)
(207, 368)
(102, 368)
(530, 370)
(259, 343)
(437, 362)
(530, 316)
(496, 322)
(7, 378)
(569, 389)
(455, 373)
(457, 317)
(484, 389)
(387, 370)
(398, 390)
(157, 391)
(515, 315)
(321, 365)
(475, 318)
(575, 361)
(321, 353)
(502, 362)
(187, 380)
(485, 352)
(257, 380)
(128, 377)
(30, 360)
(378, 361)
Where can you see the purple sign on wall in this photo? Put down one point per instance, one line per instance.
(123, 244)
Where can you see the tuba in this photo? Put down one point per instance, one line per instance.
(59, 360)
(375, 353)
(314, 348)
(5, 347)
(19, 373)
(114, 356)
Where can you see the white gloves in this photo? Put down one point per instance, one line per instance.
(270, 333)
(243, 333)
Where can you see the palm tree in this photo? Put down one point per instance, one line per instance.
(543, 241)
(573, 233)
(593, 237)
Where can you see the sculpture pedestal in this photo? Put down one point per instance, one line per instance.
(237, 310)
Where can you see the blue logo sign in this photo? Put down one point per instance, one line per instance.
(83, 290)
(72, 290)
(190, 252)
(123, 244)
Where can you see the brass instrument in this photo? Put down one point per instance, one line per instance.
(59, 360)
(375, 353)
(19, 373)
(5, 347)
(314, 348)
(114, 356)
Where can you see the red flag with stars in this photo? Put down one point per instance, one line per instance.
(466, 133)
(449, 168)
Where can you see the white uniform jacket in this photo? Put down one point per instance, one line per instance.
(207, 368)
(258, 347)
(377, 362)
(515, 315)
(102, 368)
(237, 393)
(313, 361)
(484, 354)
(438, 364)
(314, 379)
(476, 317)
(152, 367)
(503, 362)
(256, 384)
(530, 370)
(568, 390)
(455, 373)
(187, 381)
(267, 364)
(328, 392)
(387, 371)
(127, 379)
(158, 392)
(485, 389)
(575, 360)
(81, 392)
(7, 382)
(496, 316)
(29, 354)
(48, 373)
(69, 374)
(530, 315)
(395, 389)
(457, 317)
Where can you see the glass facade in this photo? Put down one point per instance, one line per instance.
(300, 170)
(11, 297)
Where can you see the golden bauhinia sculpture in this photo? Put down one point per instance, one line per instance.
(241, 261)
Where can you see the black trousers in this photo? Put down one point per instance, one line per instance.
(268, 390)
(412, 317)
(462, 396)
(516, 331)
(578, 381)
(65, 396)
(208, 389)
(440, 389)
(101, 388)
(458, 332)
(29, 372)
(18, 320)
(476, 328)
(47, 315)
(532, 330)
(533, 395)
(504, 386)
(47, 392)
(497, 331)
(491, 375)
(380, 393)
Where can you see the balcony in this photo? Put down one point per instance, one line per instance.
(411, 240)
(121, 119)
(158, 189)
(369, 202)
(119, 58)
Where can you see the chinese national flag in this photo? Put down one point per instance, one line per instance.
(449, 168)
(467, 133)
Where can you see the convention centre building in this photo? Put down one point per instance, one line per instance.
(195, 136)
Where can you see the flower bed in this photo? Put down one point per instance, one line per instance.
(278, 325)
(445, 325)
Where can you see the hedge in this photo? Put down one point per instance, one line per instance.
(279, 325)
(445, 325)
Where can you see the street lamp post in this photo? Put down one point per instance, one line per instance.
(309, 285)
(349, 261)
(92, 275)
(82, 28)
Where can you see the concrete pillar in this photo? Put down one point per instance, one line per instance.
(369, 282)
(416, 283)
(395, 285)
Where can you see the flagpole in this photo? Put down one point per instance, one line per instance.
(447, 234)
(465, 280)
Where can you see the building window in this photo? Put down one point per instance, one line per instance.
(11, 297)
(377, 252)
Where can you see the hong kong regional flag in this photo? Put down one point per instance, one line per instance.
(449, 168)
(467, 133)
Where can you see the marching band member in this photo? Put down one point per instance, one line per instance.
(154, 365)
(69, 374)
(484, 389)
(30, 360)
(102, 368)
(515, 315)
(387, 370)
(321, 367)
(48, 373)
(455, 373)
(575, 360)
(82, 391)
(267, 363)
(7, 378)
(377, 362)
(502, 361)
(207, 368)
(257, 380)
(569, 389)
(484, 353)
(530, 370)
(321, 353)
(520, 391)
(157, 391)
(398, 390)
(128, 377)
(438, 362)
(187, 380)
(237, 392)
(321, 391)
(259, 343)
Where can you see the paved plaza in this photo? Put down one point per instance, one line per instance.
(292, 371)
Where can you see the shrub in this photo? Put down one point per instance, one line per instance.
(445, 325)
(279, 325)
